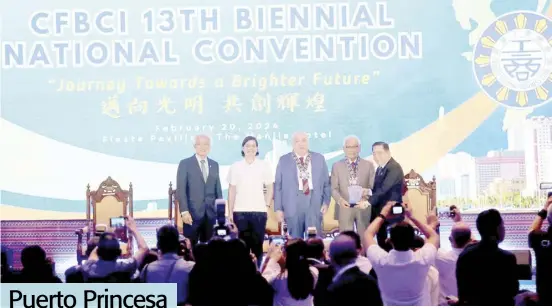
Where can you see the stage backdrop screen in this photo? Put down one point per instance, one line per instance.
(91, 89)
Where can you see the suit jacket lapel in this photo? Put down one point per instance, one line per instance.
(315, 170)
(293, 164)
(198, 167)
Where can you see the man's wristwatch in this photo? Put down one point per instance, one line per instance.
(542, 214)
(382, 217)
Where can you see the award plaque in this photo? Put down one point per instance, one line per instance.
(355, 194)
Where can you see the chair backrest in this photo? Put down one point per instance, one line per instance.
(108, 201)
(174, 210)
(421, 195)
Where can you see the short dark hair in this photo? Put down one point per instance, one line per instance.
(402, 236)
(315, 248)
(352, 234)
(246, 140)
(381, 143)
(461, 237)
(109, 248)
(488, 222)
(33, 256)
(168, 239)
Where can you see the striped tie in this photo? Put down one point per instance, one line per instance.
(306, 189)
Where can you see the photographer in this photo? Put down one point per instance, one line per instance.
(460, 237)
(540, 241)
(295, 280)
(170, 268)
(104, 263)
(401, 272)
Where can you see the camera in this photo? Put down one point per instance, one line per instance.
(221, 229)
(451, 211)
(311, 232)
(284, 229)
(397, 209)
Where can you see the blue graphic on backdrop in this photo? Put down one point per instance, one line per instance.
(513, 60)
(140, 82)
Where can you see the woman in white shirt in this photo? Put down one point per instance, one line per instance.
(293, 282)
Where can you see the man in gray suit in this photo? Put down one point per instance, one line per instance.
(352, 171)
(302, 188)
(197, 188)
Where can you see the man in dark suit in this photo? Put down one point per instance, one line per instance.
(198, 186)
(486, 275)
(388, 184)
(350, 286)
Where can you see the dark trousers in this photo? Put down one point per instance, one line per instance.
(251, 227)
(200, 229)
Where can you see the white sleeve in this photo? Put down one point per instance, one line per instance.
(375, 254)
(428, 253)
(231, 178)
(268, 176)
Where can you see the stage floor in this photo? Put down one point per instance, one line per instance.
(58, 237)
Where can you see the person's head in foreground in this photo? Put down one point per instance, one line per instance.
(490, 226)
(401, 236)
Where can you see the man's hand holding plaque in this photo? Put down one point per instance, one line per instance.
(355, 194)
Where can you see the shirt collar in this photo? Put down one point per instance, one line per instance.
(347, 159)
(343, 270)
(401, 255)
(457, 250)
(199, 159)
(170, 256)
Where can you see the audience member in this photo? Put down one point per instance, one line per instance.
(540, 241)
(317, 257)
(350, 286)
(105, 264)
(170, 268)
(74, 273)
(361, 261)
(36, 267)
(7, 275)
(460, 237)
(486, 274)
(402, 273)
(295, 283)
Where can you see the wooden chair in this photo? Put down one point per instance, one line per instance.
(108, 201)
(330, 225)
(174, 210)
(421, 195)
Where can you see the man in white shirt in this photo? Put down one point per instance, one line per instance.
(402, 273)
(247, 201)
(460, 237)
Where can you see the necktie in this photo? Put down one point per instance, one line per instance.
(378, 171)
(203, 170)
(306, 189)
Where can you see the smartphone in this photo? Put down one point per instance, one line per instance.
(284, 228)
(397, 209)
(278, 241)
(118, 224)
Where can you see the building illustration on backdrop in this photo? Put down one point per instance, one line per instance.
(503, 174)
